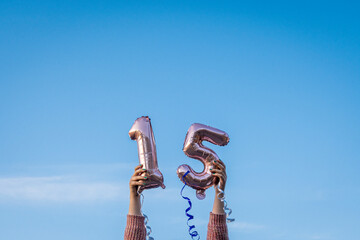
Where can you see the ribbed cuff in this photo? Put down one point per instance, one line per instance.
(133, 220)
(135, 228)
(217, 219)
(217, 228)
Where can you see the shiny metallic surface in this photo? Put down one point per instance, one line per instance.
(194, 148)
(142, 132)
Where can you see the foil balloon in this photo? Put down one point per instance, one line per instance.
(194, 148)
(142, 132)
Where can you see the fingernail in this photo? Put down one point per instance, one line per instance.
(213, 173)
(210, 168)
(144, 169)
(143, 183)
(145, 177)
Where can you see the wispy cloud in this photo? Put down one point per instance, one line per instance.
(58, 188)
(89, 169)
(292, 235)
(245, 226)
(320, 237)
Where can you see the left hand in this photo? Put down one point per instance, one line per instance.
(219, 171)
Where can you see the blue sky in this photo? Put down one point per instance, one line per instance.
(281, 78)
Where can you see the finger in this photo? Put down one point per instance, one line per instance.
(137, 183)
(219, 173)
(220, 177)
(220, 164)
(139, 171)
(138, 167)
(137, 178)
(214, 170)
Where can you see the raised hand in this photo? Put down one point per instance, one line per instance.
(137, 179)
(219, 171)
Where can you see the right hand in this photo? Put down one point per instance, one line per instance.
(137, 180)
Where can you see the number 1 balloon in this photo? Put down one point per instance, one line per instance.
(142, 132)
(194, 148)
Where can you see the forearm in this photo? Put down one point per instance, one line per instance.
(217, 228)
(135, 205)
(135, 228)
(218, 207)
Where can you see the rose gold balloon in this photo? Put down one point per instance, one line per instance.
(194, 148)
(142, 132)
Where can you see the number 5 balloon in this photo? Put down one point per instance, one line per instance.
(142, 132)
(194, 148)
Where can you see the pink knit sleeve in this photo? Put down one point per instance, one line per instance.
(217, 228)
(135, 228)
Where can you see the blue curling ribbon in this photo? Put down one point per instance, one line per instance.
(148, 228)
(192, 232)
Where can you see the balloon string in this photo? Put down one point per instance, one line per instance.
(147, 227)
(192, 232)
(227, 210)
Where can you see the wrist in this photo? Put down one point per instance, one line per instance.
(134, 196)
(133, 191)
(135, 204)
(222, 187)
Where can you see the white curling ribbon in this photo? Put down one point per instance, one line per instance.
(148, 228)
(227, 210)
